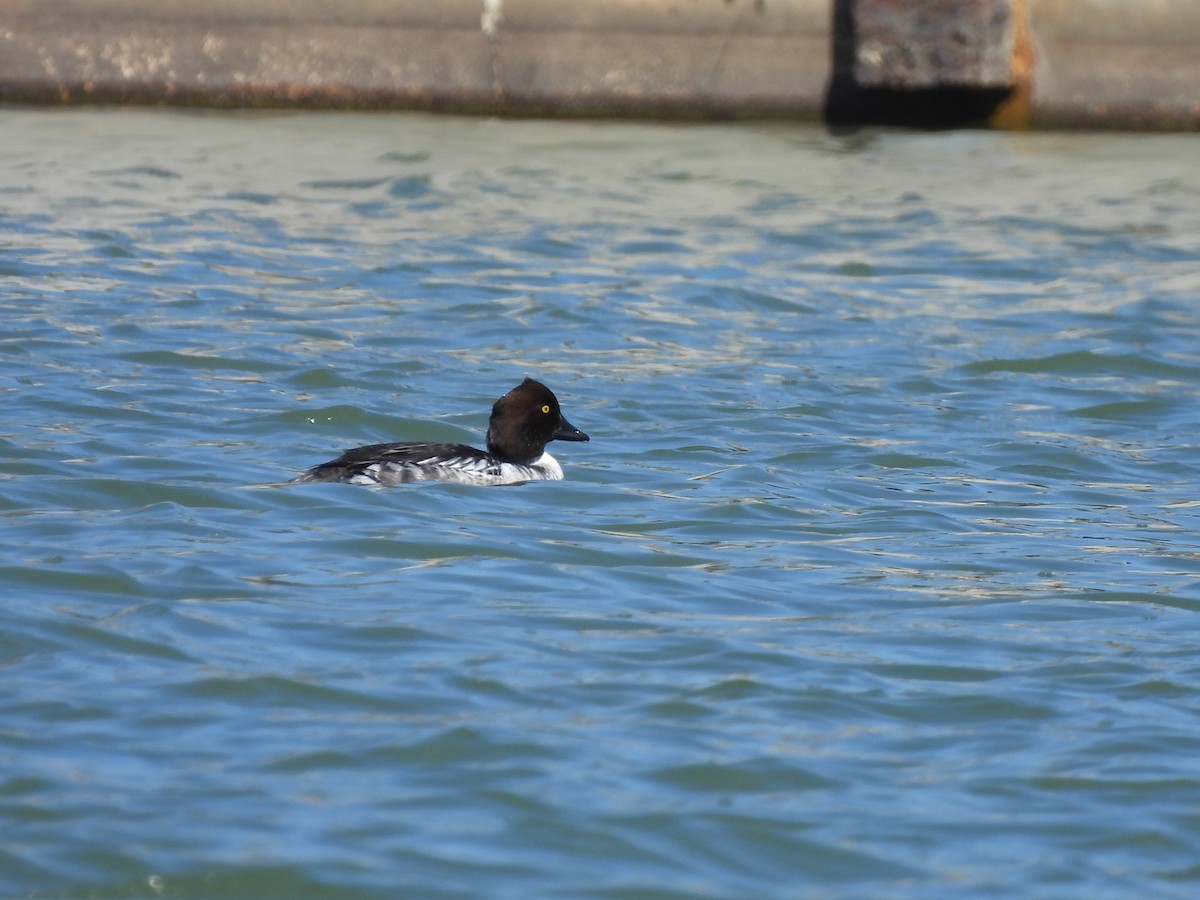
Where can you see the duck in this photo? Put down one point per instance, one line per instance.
(522, 423)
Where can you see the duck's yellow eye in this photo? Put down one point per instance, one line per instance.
(546, 408)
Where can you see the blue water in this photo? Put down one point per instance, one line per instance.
(876, 579)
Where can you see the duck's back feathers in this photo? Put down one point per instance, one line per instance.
(403, 462)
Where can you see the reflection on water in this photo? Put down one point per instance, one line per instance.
(874, 578)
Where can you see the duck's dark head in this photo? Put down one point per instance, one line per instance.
(525, 420)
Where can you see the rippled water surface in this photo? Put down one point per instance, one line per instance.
(877, 577)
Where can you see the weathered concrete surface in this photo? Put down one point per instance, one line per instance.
(917, 44)
(1116, 64)
(1012, 63)
(931, 63)
(266, 52)
(618, 57)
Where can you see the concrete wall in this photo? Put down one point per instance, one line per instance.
(1012, 63)
(1116, 63)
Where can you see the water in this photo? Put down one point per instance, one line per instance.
(876, 579)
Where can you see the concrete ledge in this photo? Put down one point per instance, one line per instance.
(1116, 64)
(1013, 63)
(600, 57)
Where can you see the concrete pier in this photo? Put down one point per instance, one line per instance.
(1131, 64)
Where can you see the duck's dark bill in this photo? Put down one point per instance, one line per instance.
(568, 432)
